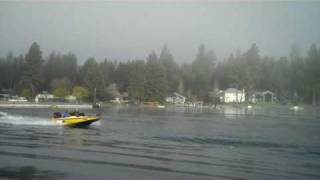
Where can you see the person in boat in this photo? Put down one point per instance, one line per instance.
(74, 113)
(66, 114)
(56, 115)
(77, 113)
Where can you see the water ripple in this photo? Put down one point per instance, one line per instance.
(128, 165)
(225, 142)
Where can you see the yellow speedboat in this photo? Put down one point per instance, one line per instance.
(75, 121)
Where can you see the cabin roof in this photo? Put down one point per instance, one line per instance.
(175, 94)
(232, 90)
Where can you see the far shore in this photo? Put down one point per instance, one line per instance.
(64, 105)
(5, 104)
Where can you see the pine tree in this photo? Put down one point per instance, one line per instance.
(297, 84)
(171, 68)
(156, 85)
(32, 70)
(93, 78)
(202, 70)
(313, 74)
(136, 80)
(252, 59)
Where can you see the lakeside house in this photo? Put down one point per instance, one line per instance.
(176, 98)
(47, 97)
(194, 104)
(4, 97)
(232, 95)
(262, 96)
(44, 96)
(6, 94)
(17, 99)
(121, 98)
(71, 98)
(10, 96)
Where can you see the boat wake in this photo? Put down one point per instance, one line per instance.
(97, 123)
(24, 120)
(3, 114)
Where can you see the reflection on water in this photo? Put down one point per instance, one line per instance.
(172, 143)
(28, 173)
(77, 136)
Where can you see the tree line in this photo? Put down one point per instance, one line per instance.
(293, 78)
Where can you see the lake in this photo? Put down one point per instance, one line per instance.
(171, 143)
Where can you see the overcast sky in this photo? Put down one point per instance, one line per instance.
(131, 29)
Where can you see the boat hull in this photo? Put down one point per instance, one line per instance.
(74, 121)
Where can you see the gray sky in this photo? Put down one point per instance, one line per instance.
(131, 29)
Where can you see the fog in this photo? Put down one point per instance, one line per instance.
(126, 30)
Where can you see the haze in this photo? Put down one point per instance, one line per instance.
(131, 29)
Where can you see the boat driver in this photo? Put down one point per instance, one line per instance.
(66, 114)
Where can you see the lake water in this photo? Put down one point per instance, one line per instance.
(171, 143)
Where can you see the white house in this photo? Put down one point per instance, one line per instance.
(176, 98)
(71, 98)
(17, 99)
(44, 96)
(264, 96)
(232, 95)
(4, 97)
(121, 98)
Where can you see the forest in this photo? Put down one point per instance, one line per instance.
(293, 78)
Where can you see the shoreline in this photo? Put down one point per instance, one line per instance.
(17, 105)
(45, 105)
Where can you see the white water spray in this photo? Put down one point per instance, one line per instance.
(24, 120)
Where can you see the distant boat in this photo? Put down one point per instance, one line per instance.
(161, 106)
(249, 107)
(95, 104)
(154, 104)
(296, 108)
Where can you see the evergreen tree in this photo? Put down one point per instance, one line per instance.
(297, 74)
(10, 71)
(136, 80)
(108, 69)
(267, 74)
(61, 83)
(202, 69)
(171, 68)
(18, 70)
(281, 76)
(32, 70)
(84, 69)
(313, 74)
(122, 76)
(60, 66)
(156, 85)
(187, 77)
(252, 59)
(2, 73)
(69, 66)
(93, 79)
